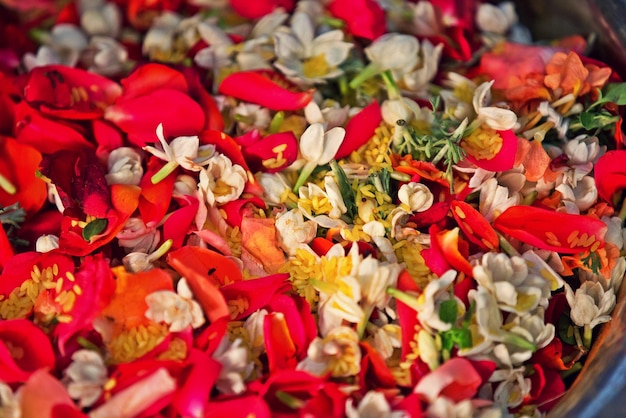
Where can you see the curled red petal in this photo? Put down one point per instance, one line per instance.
(152, 77)
(504, 159)
(360, 129)
(253, 294)
(272, 153)
(68, 92)
(474, 225)
(554, 231)
(368, 23)
(178, 222)
(257, 87)
(259, 8)
(610, 174)
(45, 134)
(281, 351)
(139, 116)
(190, 399)
(19, 164)
(457, 379)
(24, 348)
(155, 198)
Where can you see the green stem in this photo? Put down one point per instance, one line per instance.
(519, 341)
(622, 211)
(368, 72)
(160, 252)
(304, 175)
(407, 299)
(506, 246)
(393, 92)
(361, 326)
(587, 336)
(277, 120)
(165, 171)
(7, 186)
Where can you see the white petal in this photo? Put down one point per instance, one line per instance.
(332, 141)
(312, 142)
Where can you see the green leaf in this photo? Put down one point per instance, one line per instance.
(615, 93)
(566, 330)
(94, 228)
(587, 120)
(347, 194)
(461, 337)
(448, 311)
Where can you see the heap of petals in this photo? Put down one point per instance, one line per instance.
(301, 208)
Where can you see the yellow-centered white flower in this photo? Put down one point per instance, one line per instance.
(184, 151)
(416, 196)
(307, 58)
(87, 375)
(179, 310)
(222, 181)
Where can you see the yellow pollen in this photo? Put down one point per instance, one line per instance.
(459, 212)
(552, 239)
(315, 66)
(70, 276)
(483, 143)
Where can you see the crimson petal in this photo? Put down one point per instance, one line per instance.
(257, 87)
(360, 129)
(553, 231)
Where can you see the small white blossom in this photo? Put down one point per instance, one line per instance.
(401, 108)
(160, 36)
(496, 18)
(63, 45)
(338, 353)
(373, 405)
(124, 165)
(396, 52)
(46, 243)
(581, 197)
(305, 57)
(105, 56)
(87, 375)
(222, 181)
(178, 310)
(183, 150)
(444, 407)
(416, 196)
(9, 402)
(495, 117)
(136, 236)
(99, 17)
(293, 231)
(251, 116)
(235, 366)
(513, 387)
(274, 186)
(590, 305)
(495, 199)
(434, 294)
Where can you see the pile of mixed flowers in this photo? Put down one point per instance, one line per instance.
(333, 208)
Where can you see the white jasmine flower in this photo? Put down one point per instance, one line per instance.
(136, 262)
(329, 207)
(184, 151)
(590, 305)
(178, 310)
(425, 20)
(541, 333)
(434, 294)
(304, 57)
(331, 115)
(99, 17)
(401, 108)
(294, 232)
(615, 232)
(376, 230)
(416, 81)
(495, 117)
(396, 52)
(124, 166)
(185, 185)
(86, 375)
(339, 304)
(160, 37)
(235, 366)
(338, 353)
(495, 199)
(509, 281)
(581, 152)
(513, 387)
(581, 197)
(274, 186)
(317, 148)
(428, 350)
(374, 278)
(46, 243)
(496, 18)
(9, 402)
(386, 339)
(254, 326)
(63, 45)
(105, 56)
(417, 197)
(373, 405)
(444, 407)
(222, 181)
(553, 116)
(251, 116)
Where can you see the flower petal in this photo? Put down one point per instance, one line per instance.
(360, 129)
(554, 231)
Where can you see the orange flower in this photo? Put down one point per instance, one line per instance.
(567, 72)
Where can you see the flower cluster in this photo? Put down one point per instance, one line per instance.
(300, 208)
